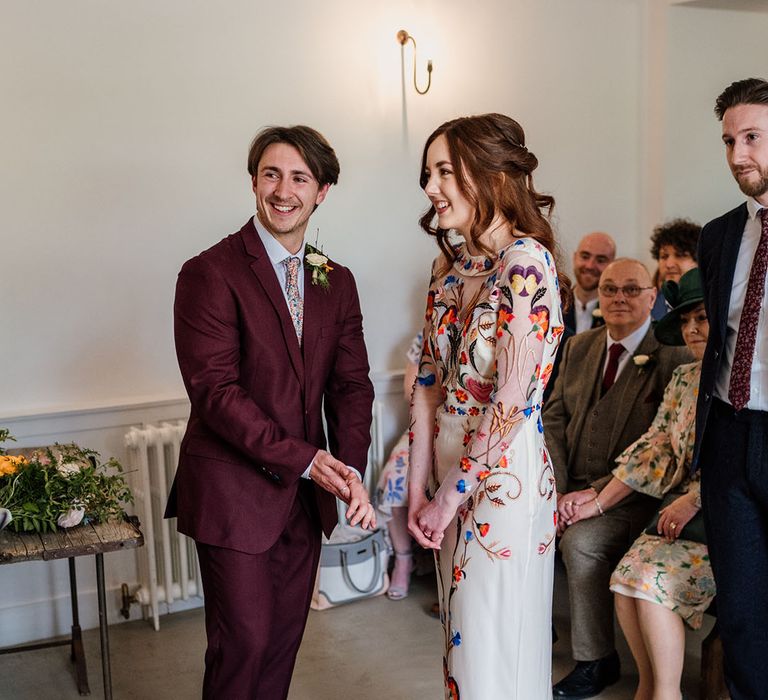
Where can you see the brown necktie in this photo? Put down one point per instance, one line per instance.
(614, 353)
(738, 391)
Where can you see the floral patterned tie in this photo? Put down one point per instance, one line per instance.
(295, 303)
(738, 391)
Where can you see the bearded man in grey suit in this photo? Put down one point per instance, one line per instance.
(611, 382)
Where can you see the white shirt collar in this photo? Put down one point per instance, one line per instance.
(591, 304)
(276, 251)
(753, 208)
(633, 340)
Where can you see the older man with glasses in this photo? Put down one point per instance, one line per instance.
(611, 382)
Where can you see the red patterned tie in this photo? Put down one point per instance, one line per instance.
(614, 353)
(738, 391)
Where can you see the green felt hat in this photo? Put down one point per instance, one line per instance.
(680, 297)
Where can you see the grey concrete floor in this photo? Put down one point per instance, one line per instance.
(377, 649)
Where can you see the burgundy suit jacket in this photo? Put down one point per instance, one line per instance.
(257, 395)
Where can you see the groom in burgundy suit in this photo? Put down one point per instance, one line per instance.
(268, 338)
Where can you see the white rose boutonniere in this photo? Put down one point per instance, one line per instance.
(597, 313)
(643, 362)
(316, 261)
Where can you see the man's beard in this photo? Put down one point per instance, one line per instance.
(753, 188)
(592, 281)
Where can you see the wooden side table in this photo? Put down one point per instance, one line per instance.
(68, 544)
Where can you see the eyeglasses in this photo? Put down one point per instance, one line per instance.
(630, 291)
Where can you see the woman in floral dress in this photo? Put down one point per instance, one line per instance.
(481, 487)
(392, 490)
(664, 581)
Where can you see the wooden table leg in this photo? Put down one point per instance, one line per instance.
(103, 629)
(77, 653)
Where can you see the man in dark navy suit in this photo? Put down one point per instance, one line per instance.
(732, 417)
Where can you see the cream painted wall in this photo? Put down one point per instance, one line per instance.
(708, 50)
(125, 126)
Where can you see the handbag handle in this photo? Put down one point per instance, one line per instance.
(376, 571)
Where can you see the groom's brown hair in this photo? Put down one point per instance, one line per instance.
(311, 145)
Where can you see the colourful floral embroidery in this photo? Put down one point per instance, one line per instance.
(481, 391)
(525, 280)
(492, 334)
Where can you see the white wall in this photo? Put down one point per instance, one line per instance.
(708, 50)
(125, 127)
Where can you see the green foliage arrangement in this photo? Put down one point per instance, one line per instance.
(60, 486)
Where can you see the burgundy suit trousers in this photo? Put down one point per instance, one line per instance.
(256, 608)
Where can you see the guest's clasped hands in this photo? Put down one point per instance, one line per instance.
(581, 505)
(339, 480)
(571, 508)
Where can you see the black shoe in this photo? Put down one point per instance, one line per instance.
(589, 678)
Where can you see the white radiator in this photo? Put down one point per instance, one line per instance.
(168, 568)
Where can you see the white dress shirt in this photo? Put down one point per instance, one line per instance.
(583, 313)
(277, 253)
(758, 381)
(630, 343)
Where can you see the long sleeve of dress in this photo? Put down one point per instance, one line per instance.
(522, 300)
(426, 397)
(658, 460)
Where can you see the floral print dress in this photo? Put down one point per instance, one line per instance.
(675, 574)
(391, 489)
(491, 335)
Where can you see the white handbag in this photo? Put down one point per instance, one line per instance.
(353, 566)
(353, 561)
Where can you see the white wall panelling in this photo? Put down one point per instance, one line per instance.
(35, 602)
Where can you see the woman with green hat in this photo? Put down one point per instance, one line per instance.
(664, 581)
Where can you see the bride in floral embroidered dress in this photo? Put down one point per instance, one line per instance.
(481, 485)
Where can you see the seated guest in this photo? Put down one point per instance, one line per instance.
(595, 251)
(392, 490)
(611, 382)
(673, 245)
(665, 579)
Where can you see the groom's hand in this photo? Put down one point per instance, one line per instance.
(360, 511)
(331, 475)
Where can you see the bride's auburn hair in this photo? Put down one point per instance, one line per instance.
(489, 150)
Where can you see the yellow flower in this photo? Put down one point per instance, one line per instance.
(9, 464)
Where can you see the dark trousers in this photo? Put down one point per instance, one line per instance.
(734, 488)
(256, 608)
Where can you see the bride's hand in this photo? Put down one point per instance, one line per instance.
(432, 520)
(415, 505)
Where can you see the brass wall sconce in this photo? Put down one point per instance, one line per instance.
(403, 38)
